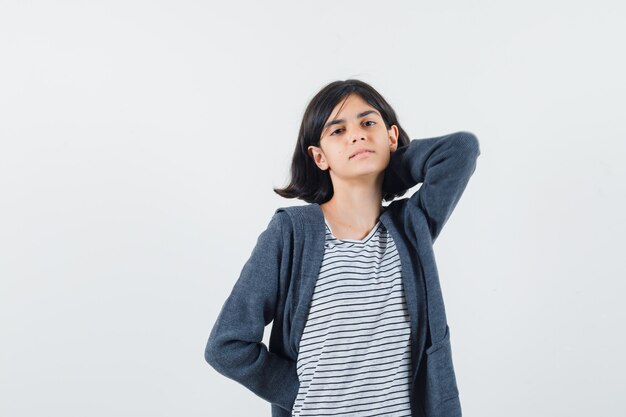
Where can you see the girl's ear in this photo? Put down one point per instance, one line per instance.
(318, 157)
(393, 138)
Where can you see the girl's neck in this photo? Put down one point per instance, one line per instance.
(353, 215)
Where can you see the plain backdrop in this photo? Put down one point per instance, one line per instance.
(140, 142)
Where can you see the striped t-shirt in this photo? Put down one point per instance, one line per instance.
(355, 352)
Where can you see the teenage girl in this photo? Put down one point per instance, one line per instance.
(351, 286)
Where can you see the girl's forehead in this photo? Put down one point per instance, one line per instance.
(354, 103)
(351, 100)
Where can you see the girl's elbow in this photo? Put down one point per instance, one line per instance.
(212, 353)
(209, 357)
(468, 141)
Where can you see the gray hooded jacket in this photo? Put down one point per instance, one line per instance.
(277, 282)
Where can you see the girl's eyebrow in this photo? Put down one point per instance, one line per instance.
(358, 116)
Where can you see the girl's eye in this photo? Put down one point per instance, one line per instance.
(368, 121)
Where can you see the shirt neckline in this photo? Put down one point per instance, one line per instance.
(365, 239)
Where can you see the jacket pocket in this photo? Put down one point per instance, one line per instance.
(441, 392)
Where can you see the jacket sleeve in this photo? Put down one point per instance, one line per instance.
(235, 348)
(443, 165)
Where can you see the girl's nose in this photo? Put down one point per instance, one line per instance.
(357, 134)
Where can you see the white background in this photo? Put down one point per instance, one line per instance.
(140, 142)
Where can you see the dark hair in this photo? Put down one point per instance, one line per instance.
(310, 183)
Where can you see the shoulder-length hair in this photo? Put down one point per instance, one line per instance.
(308, 182)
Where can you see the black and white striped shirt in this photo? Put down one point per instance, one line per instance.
(355, 352)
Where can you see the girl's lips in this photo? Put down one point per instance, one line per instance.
(365, 152)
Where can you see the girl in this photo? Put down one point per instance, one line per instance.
(359, 325)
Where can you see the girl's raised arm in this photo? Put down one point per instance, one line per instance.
(443, 165)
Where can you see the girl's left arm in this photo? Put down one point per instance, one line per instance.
(443, 165)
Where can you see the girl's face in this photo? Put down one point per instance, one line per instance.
(354, 126)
